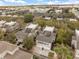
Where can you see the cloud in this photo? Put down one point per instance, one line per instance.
(1, 3)
(12, 2)
(15, 1)
(37, 2)
(63, 2)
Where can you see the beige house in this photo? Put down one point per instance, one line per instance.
(10, 51)
(11, 26)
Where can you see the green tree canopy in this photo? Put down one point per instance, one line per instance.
(1, 34)
(10, 37)
(28, 18)
(41, 22)
(64, 36)
(50, 55)
(28, 43)
(63, 52)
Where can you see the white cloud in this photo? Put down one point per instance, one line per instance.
(38, 2)
(1, 3)
(15, 1)
(66, 2)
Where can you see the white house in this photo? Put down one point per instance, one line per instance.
(11, 26)
(29, 30)
(77, 44)
(2, 22)
(72, 19)
(47, 18)
(44, 40)
(60, 19)
(58, 10)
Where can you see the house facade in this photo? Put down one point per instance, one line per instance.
(29, 30)
(45, 39)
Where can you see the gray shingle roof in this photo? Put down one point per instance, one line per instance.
(21, 35)
(44, 38)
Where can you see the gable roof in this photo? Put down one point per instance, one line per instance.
(48, 28)
(48, 39)
(43, 38)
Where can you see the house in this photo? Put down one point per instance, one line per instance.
(11, 26)
(45, 40)
(58, 10)
(29, 30)
(73, 19)
(10, 51)
(60, 18)
(2, 22)
(75, 42)
(47, 18)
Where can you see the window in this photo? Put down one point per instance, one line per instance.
(47, 33)
(42, 48)
(28, 30)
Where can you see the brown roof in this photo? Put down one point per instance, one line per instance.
(19, 55)
(6, 46)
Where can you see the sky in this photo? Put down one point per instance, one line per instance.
(36, 2)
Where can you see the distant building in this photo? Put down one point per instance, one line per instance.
(60, 18)
(58, 11)
(2, 22)
(44, 40)
(10, 51)
(47, 18)
(73, 19)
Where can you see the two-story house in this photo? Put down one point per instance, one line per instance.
(29, 30)
(44, 40)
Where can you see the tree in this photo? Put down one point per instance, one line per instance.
(73, 25)
(28, 18)
(10, 37)
(64, 36)
(41, 22)
(28, 43)
(1, 34)
(63, 52)
(35, 57)
(50, 55)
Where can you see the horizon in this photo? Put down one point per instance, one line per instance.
(36, 2)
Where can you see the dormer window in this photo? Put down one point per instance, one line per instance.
(28, 30)
(47, 33)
